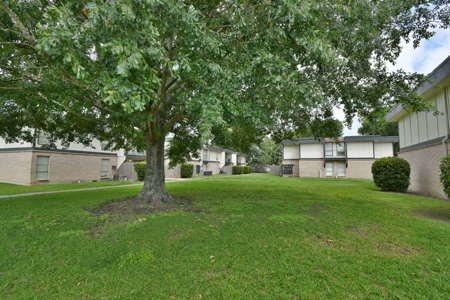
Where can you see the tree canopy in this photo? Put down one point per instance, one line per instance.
(220, 71)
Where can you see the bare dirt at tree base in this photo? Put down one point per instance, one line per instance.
(438, 215)
(133, 206)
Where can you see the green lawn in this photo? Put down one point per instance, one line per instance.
(258, 237)
(11, 189)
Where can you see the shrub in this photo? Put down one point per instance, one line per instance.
(237, 170)
(445, 174)
(247, 170)
(139, 167)
(186, 170)
(391, 174)
(250, 169)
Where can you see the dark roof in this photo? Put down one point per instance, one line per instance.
(376, 138)
(356, 138)
(439, 73)
(302, 141)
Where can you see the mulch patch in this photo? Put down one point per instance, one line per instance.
(438, 215)
(133, 206)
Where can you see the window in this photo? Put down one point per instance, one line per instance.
(42, 139)
(341, 169)
(105, 168)
(205, 154)
(42, 165)
(329, 169)
(340, 149)
(217, 155)
(328, 149)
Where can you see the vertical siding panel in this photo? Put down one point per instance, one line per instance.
(441, 118)
(414, 129)
(423, 131)
(401, 133)
(432, 124)
(407, 128)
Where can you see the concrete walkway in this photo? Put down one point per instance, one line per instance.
(87, 189)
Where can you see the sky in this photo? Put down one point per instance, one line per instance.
(423, 59)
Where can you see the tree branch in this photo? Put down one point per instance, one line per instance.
(182, 114)
(26, 34)
(20, 45)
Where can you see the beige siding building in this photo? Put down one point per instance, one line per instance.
(349, 157)
(424, 136)
(30, 163)
(212, 159)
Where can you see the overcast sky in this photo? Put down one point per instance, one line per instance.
(423, 59)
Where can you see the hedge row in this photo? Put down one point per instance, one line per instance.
(237, 170)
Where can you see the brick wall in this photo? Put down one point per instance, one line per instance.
(425, 170)
(15, 167)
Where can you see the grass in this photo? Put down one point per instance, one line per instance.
(11, 189)
(258, 237)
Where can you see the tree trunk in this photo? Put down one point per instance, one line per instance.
(154, 191)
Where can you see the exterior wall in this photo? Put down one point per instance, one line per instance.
(420, 127)
(359, 168)
(233, 159)
(360, 150)
(384, 150)
(15, 166)
(66, 167)
(424, 164)
(291, 152)
(311, 150)
(311, 168)
(212, 166)
(4, 145)
(295, 169)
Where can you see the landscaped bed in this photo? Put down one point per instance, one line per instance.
(236, 237)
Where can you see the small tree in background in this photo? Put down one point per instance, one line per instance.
(444, 167)
(140, 167)
(391, 174)
(187, 170)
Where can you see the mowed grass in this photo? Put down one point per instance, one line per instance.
(258, 237)
(11, 189)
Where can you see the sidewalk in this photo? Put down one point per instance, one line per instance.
(86, 189)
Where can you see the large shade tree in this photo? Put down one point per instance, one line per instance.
(131, 71)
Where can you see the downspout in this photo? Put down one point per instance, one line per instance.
(444, 141)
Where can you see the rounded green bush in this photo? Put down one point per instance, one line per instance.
(186, 170)
(139, 167)
(237, 170)
(444, 167)
(391, 174)
(247, 169)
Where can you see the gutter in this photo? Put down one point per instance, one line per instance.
(444, 141)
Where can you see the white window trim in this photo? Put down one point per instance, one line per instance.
(326, 150)
(339, 169)
(326, 169)
(48, 168)
(40, 137)
(101, 168)
(341, 146)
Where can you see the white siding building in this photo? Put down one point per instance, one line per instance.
(423, 135)
(349, 157)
